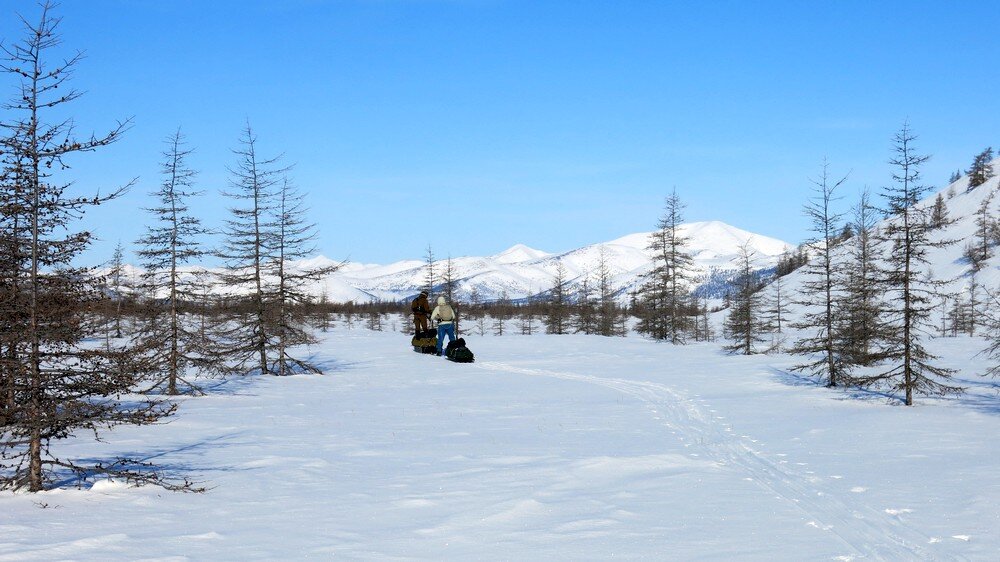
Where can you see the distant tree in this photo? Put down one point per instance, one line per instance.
(62, 386)
(449, 279)
(980, 248)
(586, 313)
(858, 324)
(500, 312)
(663, 297)
(430, 277)
(557, 307)
(981, 170)
(939, 213)
(818, 289)
(955, 176)
(790, 261)
(905, 286)
(607, 309)
(528, 319)
(744, 325)
(116, 284)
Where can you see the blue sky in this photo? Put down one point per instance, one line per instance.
(474, 125)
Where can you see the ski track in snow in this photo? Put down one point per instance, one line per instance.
(867, 531)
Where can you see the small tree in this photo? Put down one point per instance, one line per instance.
(744, 325)
(663, 296)
(430, 276)
(981, 170)
(858, 325)
(557, 306)
(818, 290)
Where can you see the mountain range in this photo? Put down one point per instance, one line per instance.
(520, 271)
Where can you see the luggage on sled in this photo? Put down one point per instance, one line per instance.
(425, 341)
(458, 352)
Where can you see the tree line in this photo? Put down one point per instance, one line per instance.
(87, 350)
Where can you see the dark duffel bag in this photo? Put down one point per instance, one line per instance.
(458, 352)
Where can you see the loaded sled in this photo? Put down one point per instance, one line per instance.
(458, 352)
(425, 341)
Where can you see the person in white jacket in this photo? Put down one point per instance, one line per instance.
(445, 318)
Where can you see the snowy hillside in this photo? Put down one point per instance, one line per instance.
(546, 448)
(522, 271)
(947, 264)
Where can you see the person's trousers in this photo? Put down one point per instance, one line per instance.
(443, 330)
(420, 322)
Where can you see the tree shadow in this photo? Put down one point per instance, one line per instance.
(847, 392)
(977, 397)
(147, 466)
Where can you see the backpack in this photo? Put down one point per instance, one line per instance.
(458, 352)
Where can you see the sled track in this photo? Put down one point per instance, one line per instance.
(867, 532)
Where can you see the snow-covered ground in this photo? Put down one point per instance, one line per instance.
(548, 447)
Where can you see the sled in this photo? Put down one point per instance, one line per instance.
(425, 342)
(458, 352)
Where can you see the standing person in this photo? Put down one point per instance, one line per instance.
(445, 318)
(420, 308)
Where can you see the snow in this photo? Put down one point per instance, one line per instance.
(548, 447)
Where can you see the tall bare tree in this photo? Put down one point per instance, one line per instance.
(905, 280)
(818, 290)
(174, 239)
(253, 189)
(60, 385)
(291, 239)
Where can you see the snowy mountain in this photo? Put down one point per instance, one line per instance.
(521, 271)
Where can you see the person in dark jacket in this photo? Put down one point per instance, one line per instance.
(421, 309)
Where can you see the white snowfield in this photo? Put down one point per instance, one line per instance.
(546, 448)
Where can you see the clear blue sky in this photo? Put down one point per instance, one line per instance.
(473, 125)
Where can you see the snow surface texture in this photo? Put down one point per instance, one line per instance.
(548, 447)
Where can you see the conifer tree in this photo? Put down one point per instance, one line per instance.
(939, 213)
(981, 170)
(663, 300)
(818, 290)
(744, 325)
(907, 289)
(556, 317)
(61, 386)
(115, 284)
(585, 321)
(980, 248)
(173, 240)
(430, 276)
(290, 238)
(858, 325)
(253, 189)
(449, 278)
